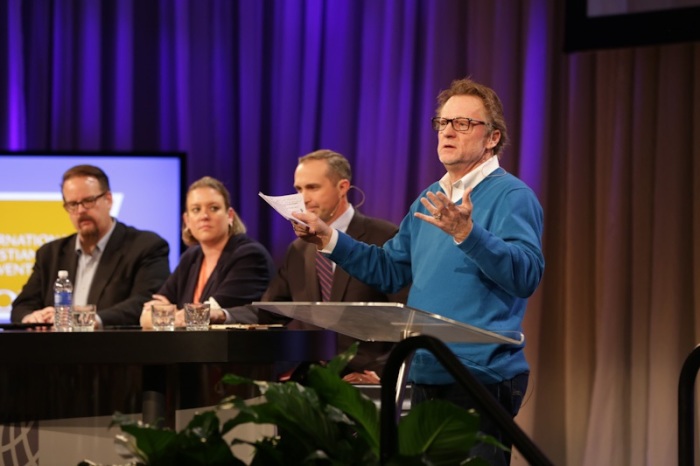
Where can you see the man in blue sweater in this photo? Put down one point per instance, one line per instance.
(470, 245)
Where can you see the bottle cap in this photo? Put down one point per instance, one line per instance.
(62, 274)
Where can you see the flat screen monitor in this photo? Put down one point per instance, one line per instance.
(147, 190)
(601, 24)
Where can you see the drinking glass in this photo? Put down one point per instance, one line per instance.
(163, 317)
(197, 316)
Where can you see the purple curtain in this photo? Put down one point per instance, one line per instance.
(246, 87)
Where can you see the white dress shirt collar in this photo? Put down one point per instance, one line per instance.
(456, 190)
(342, 222)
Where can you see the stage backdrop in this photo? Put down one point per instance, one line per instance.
(246, 87)
(609, 140)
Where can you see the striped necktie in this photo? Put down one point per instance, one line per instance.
(324, 269)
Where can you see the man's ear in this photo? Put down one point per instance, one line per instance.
(494, 137)
(344, 186)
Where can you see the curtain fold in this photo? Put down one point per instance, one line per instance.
(609, 140)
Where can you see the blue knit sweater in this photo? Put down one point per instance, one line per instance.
(484, 281)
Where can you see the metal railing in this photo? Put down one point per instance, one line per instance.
(686, 408)
(484, 400)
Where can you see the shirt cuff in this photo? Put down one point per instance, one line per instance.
(332, 243)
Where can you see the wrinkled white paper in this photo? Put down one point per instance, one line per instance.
(212, 303)
(285, 205)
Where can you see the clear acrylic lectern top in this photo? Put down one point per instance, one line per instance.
(390, 322)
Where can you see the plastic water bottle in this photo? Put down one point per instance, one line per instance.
(63, 302)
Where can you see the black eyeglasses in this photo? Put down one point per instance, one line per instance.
(87, 203)
(462, 125)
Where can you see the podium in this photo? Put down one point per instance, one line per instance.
(392, 322)
(389, 322)
(412, 329)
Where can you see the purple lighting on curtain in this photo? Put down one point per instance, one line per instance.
(15, 77)
(180, 56)
(310, 48)
(63, 92)
(90, 77)
(245, 88)
(169, 81)
(534, 99)
(252, 119)
(123, 76)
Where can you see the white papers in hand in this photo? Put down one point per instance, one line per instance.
(285, 205)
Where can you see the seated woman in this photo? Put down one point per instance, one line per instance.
(222, 264)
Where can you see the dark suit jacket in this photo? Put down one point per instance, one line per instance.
(133, 266)
(240, 277)
(296, 280)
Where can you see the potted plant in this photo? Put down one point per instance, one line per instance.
(325, 421)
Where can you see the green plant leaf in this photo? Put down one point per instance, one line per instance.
(347, 398)
(200, 442)
(326, 422)
(340, 362)
(440, 430)
(154, 445)
(310, 427)
(299, 415)
(233, 379)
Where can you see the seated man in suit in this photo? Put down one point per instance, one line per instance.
(323, 178)
(112, 265)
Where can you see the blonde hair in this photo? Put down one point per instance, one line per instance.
(235, 228)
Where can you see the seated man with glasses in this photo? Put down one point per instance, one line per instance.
(110, 264)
